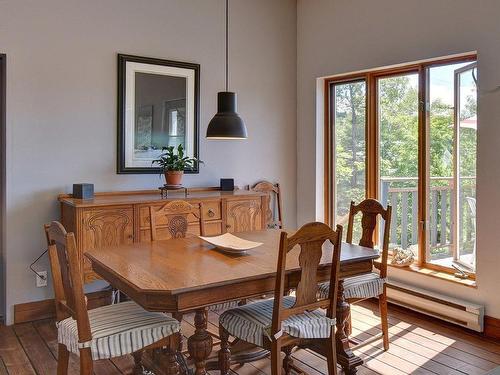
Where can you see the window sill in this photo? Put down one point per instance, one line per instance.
(436, 274)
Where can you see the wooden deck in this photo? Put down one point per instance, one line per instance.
(419, 345)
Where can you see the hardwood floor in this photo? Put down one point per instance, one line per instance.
(419, 345)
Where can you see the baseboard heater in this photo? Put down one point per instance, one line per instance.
(450, 309)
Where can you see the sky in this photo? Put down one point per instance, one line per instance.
(442, 82)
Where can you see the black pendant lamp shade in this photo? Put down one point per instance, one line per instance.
(226, 124)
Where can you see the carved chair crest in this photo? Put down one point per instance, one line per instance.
(176, 216)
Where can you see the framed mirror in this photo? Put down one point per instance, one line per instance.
(158, 106)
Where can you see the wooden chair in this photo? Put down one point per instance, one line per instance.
(284, 322)
(274, 193)
(373, 284)
(104, 332)
(176, 218)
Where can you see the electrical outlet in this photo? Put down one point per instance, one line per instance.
(41, 282)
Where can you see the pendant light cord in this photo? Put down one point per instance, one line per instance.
(227, 45)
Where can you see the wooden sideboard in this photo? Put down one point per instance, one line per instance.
(116, 218)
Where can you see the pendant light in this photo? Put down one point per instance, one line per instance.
(226, 124)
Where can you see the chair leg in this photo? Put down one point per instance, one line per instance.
(86, 366)
(331, 355)
(178, 316)
(276, 364)
(138, 362)
(382, 300)
(288, 362)
(172, 349)
(224, 352)
(62, 360)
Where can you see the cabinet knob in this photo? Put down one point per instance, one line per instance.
(228, 226)
(210, 213)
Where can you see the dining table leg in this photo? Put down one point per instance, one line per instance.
(345, 357)
(200, 343)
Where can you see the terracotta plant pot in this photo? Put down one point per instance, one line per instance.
(173, 177)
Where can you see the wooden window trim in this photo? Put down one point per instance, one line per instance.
(372, 141)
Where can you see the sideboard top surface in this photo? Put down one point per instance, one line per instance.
(151, 196)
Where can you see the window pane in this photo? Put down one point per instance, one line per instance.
(398, 156)
(466, 166)
(441, 193)
(450, 226)
(349, 101)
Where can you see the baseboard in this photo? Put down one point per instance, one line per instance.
(39, 310)
(492, 327)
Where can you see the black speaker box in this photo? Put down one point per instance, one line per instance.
(227, 184)
(83, 191)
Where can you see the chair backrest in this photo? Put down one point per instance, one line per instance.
(67, 275)
(274, 196)
(310, 238)
(175, 215)
(369, 209)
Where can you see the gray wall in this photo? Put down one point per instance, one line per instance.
(61, 92)
(342, 36)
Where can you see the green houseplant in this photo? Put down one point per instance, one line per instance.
(173, 162)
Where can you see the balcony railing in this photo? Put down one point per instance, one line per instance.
(401, 194)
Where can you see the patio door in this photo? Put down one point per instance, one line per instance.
(465, 142)
(398, 155)
(407, 137)
(348, 124)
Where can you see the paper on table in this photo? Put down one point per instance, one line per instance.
(229, 242)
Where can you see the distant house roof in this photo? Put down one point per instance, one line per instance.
(470, 123)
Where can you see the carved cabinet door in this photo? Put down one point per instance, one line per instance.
(106, 227)
(243, 215)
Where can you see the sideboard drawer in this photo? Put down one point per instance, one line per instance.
(211, 211)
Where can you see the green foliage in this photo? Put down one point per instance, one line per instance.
(349, 146)
(175, 160)
(398, 122)
(398, 143)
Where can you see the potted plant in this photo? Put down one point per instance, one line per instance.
(173, 163)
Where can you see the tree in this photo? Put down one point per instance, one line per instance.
(398, 147)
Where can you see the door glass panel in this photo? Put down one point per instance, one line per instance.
(398, 156)
(444, 207)
(466, 144)
(349, 101)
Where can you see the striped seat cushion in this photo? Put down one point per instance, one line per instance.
(252, 322)
(362, 286)
(117, 330)
(223, 306)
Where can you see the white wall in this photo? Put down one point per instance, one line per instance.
(62, 90)
(340, 36)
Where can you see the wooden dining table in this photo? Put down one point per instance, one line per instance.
(188, 274)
